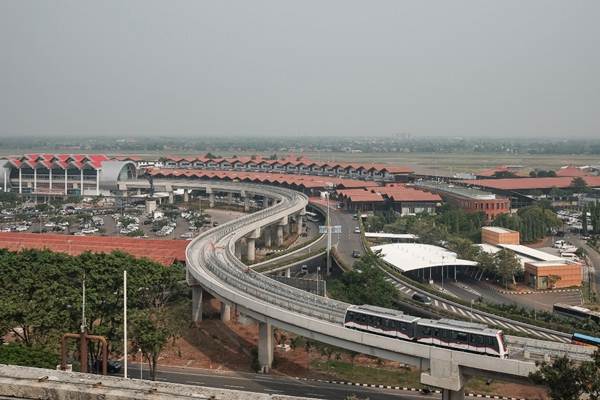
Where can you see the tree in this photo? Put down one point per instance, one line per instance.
(28, 356)
(507, 265)
(579, 185)
(562, 379)
(504, 174)
(553, 280)
(365, 284)
(590, 376)
(150, 335)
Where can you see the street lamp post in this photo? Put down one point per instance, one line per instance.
(141, 363)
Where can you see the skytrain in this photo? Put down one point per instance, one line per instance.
(449, 333)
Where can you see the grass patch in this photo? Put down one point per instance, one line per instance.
(345, 371)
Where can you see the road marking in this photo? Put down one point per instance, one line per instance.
(445, 306)
(461, 311)
(235, 386)
(195, 383)
(273, 390)
(436, 303)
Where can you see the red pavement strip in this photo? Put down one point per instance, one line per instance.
(165, 252)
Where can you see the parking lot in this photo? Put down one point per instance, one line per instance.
(105, 218)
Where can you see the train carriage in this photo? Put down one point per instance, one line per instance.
(459, 335)
(381, 321)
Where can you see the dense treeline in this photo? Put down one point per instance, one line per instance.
(568, 380)
(533, 222)
(41, 298)
(365, 284)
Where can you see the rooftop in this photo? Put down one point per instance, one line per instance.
(412, 256)
(462, 191)
(498, 229)
(531, 183)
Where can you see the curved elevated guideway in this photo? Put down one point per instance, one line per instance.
(212, 265)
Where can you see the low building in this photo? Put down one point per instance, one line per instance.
(401, 198)
(497, 235)
(469, 199)
(553, 274)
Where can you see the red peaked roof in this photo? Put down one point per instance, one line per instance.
(163, 251)
(307, 181)
(571, 171)
(399, 192)
(78, 160)
(361, 195)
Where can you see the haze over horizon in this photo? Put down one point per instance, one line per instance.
(345, 68)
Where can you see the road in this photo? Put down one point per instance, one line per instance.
(477, 316)
(272, 384)
(594, 257)
(347, 241)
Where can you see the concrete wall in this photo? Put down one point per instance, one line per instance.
(537, 273)
(37, 383)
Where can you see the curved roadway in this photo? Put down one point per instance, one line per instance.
(211, 262)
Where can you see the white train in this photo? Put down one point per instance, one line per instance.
(459, 335)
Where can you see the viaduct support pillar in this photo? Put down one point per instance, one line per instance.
(288, 273)
(246, 204)
(279, 235)
(299, 224)
(238, 250)
(265, 346)
(211, 200)
(251, 251)
(197, 294)
(225, 312)
(171, 197)
(230, 198)
(267, 236)
(186, 196)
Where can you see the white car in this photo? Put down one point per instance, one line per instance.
(21, 228)
(357, 229)
(89, 230)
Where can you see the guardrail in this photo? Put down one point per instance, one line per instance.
(231, 270)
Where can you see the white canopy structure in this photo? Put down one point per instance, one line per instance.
(413, 256)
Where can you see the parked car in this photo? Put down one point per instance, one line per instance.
(357, 229)
(355, 253)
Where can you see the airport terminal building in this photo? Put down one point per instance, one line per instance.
(64, 174)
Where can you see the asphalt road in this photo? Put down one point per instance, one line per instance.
(347, 241)
(273, 384)
(594, 258)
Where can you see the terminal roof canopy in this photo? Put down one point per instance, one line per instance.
(412, 256)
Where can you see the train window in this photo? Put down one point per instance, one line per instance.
(476, 339)
(436, 332)
(402, 326)
(427, 330)
(462, 337)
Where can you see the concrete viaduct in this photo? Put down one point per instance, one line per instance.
(214, 265)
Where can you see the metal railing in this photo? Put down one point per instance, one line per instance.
(203, 253)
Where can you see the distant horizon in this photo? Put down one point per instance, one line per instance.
(341, 68)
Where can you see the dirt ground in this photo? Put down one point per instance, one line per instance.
(228, 346)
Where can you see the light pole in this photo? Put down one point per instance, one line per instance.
(141, 363)
(318, 273)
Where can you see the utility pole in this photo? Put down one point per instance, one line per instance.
(328, 224)
(125, 324)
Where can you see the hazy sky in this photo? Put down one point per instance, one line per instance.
(436, 68)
